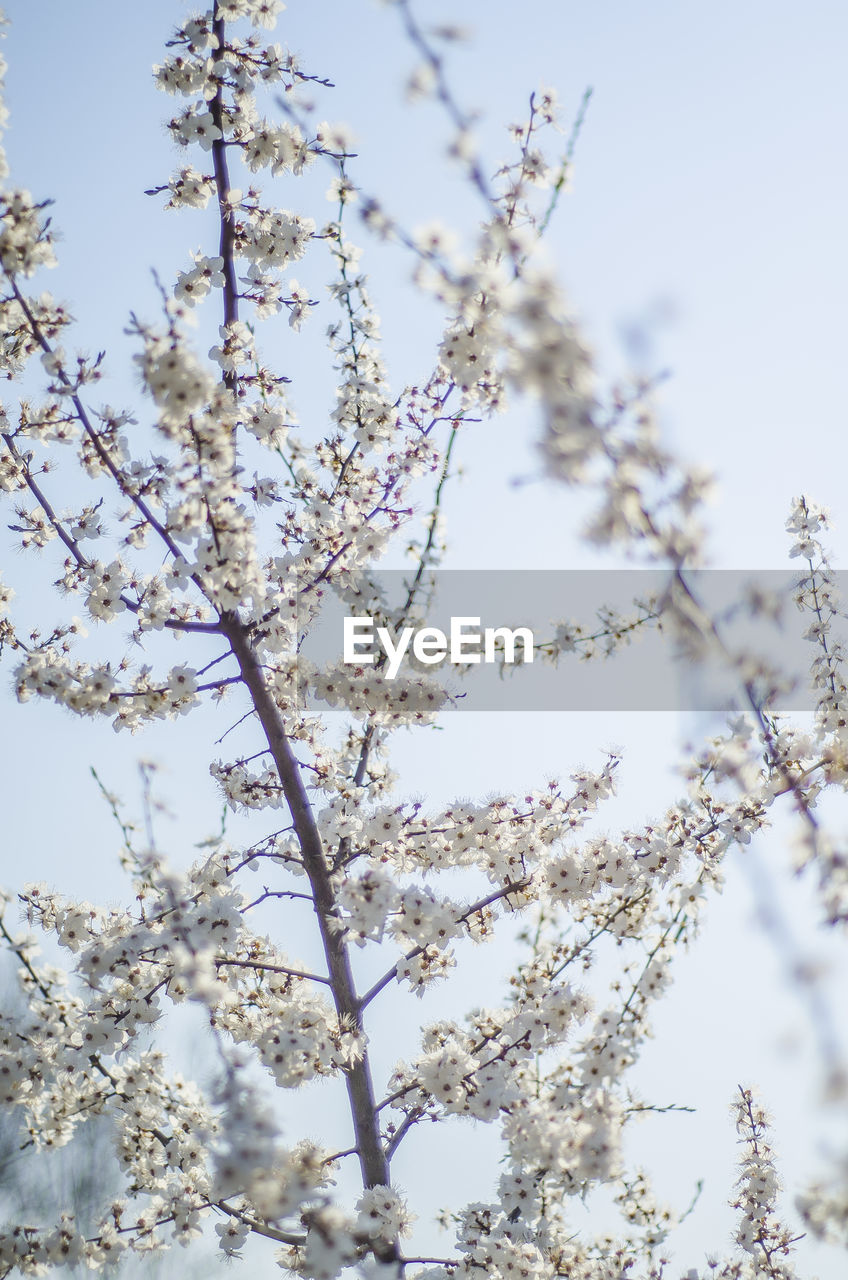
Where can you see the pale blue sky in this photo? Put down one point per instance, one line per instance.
(708, 209)
(709, 189)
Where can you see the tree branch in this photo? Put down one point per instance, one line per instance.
(372, 1158)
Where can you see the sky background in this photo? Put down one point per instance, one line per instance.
(703, 236)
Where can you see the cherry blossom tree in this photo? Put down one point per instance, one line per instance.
(233, 522)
